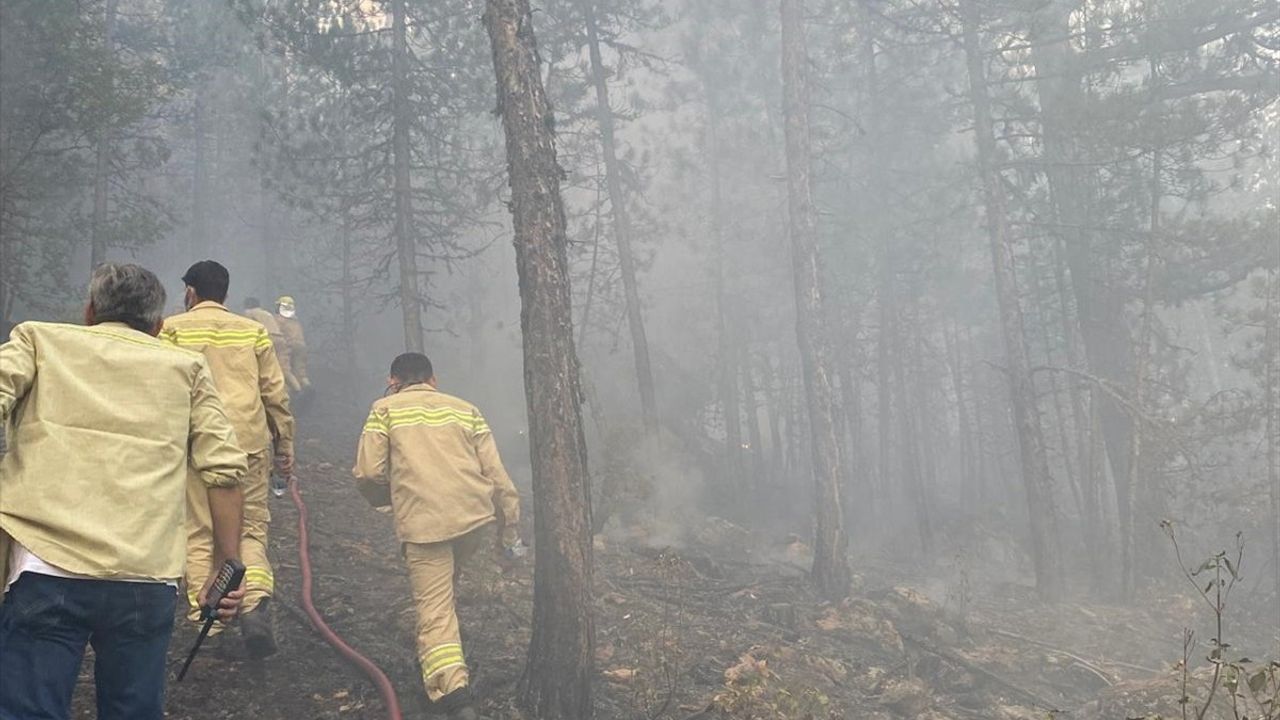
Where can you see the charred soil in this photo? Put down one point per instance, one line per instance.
(700, 632)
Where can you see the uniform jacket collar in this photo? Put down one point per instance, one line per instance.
(120, 327)
(419, 387)
(209, 305)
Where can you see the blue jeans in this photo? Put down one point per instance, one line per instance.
(45, 623)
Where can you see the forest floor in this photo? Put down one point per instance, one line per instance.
(703, 632)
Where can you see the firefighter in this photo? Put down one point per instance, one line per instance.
(295, 342)
(104, 422)
(431, 459)
(254, 311)
(245, 369)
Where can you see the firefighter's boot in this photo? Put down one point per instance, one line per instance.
(458, 705)
(255, 628)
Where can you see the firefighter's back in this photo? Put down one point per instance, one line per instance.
(231, 344)
(438, 487)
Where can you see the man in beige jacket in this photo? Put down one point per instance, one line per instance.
(102, 423)
(431, 457)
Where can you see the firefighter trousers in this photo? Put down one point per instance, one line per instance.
(259, 581)
(433, 572)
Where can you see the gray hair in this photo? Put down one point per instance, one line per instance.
(129, 294)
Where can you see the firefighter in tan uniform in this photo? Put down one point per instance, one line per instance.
(254, 311)
(244, 366)
(294, 359)
(432, 459)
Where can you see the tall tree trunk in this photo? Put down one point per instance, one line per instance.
(751, 408)
(928, 434)
(727, 382)
(1099, 306)
(199, 178)
(772, 391)
(267, 239)
(1091, 480)
(885, 300)
(595, 265)
(1140, 500)
(728, 363)
(406, 241)
(909, 450)
(349, 349)
(1041, 505)
(1042, 322)
(830, 562)
(982, 419)
(102, 150)
(1271, 379)
(621, 222)
(851, 403)
(964, 427)
(557, 680)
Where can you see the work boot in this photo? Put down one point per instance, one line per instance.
(255, 628)
(458, 705)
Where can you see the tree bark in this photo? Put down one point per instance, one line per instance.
(885, 300)
(199, 179)
(1042, 322)
(830, 562)
(728, 363)
(595, 265)
(406, 242)
(1100, 313)
(102, 150)
(751, 408)
(557, 680)
(1041, 505)
(621, 223)
(910, 452)
(350, 352)
(1091, 480)
(968, 473)
(851, 404)
(1271, 347)
(773, 390)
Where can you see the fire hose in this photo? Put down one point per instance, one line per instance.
(375, 674)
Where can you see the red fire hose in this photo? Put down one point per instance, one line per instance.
(304, 554)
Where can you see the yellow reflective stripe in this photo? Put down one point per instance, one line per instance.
(217, 338)
(213, 332)
(259, 578)
(435, 417)
(441, 658)
(444, 411)
(441, 649)
(375, 424)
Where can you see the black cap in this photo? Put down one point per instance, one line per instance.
(209, 279)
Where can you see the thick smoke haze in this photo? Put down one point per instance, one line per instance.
(1047, 237)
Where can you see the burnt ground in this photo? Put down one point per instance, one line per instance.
(707, 631)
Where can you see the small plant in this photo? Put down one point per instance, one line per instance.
(1254, 689)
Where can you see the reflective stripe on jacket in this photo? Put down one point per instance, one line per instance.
(244, 366)
(439, 459)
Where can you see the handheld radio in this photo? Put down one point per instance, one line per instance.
(229, 578)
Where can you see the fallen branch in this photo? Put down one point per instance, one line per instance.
(1090, 666)
(1023, 693)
